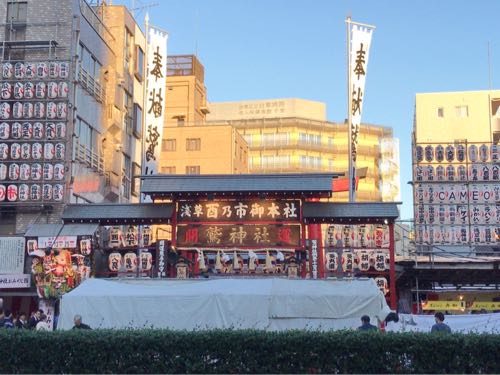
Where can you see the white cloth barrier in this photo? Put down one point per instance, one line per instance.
(474, 323)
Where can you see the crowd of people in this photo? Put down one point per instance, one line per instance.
(37, 320)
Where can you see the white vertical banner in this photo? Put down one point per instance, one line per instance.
(359, 40)
(155, 98)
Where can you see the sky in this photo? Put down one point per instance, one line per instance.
(263, 49)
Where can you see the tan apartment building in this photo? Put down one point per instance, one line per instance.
(293, 135)
(189, 146)
(456, 167)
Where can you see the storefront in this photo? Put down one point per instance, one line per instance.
(243, 225)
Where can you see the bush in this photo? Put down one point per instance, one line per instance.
(247, 351)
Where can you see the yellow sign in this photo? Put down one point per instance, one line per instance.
(443, 305)
(485, 305)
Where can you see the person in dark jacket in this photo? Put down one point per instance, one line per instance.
(440, 326)
(366, 326)
(34, 319)
(22, 322)
(78, 323)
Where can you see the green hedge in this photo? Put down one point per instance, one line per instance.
(222, 351)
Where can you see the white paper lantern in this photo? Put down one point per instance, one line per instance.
(14, 172)
(36, 151)
(24, 192)
(63, 89)
(42, 70)
(39, 110)
(114, 262)
(15, 151)
(429, 153)
(35, 191)
(30, 70)
(63, 69)
(52, 90)
(4, 131)
(439, 153)
(5, 111)
(25, 151)
(28, 110)
(50, 130)
(3, 171)
(59, 172)
(29, 90)
(3, 192)
(25, 172)
(4, 151)
(17, 110)
(27, 130)
(36, 171)
(130, 262)
(48, 151)
(58, 192)
(450, 153)
(38, 130)
(6, 90)
(61, 130)
(62, 110)
(16, 130)
(12, 193)
(7, 70)
(51, 110)
(48, 171)
(59, 151)
(19, 70)
(47, 192)
(41, 90)
(54, 69)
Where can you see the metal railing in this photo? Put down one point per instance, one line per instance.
(92, 86)
(89, 157)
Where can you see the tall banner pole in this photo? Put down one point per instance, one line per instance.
(352, 175)
(359, 38)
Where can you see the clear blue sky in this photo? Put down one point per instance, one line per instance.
(258, 49)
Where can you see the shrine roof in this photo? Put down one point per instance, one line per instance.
(350, 212)
(272, 185)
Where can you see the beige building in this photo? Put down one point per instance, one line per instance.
(189, 146)
(292, 135)
(448, 116)
(456, 171)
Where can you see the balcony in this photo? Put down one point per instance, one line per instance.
(90, 85)
(88, 157)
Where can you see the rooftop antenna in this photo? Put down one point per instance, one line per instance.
(133, 8)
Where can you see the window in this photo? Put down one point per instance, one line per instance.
(128, 112)
(169, 144)
(193, 169)
(127, 46)
(17, 11)
(89, 63)
(126, 178)
(168, 170)
(440, 112)
(193, 144)
(136, 184)
(139, 63)
(462, 111)
(137, 120)
(86, 134)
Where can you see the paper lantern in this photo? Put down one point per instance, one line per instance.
(40, 90)
(63, 69)
(17, 110)
(5, 111)
(62, 110)
(25, 151)
(29, 90)
(450, 153)
(114, 262)
(145, 261)
(19, 70)
(494, 153)
(146, 233)
(382, 284)
(15, 151)
(3, 192)
(35, 191)
(419, 154)
(16, 130)
(3, 171)
(116, 237)
(439, 153)
(4, 151)
(61, 130)
(86, 247)
(59, 151)
(54, 69)
(332, 261)
(380, 261)
(47, 192)
(7, 70)
(419, 173)
(52, 90)
(24, 192)
(59, 172)
(48, 151)
(18, 90)
(51, 110)
(63, 89)
(440, 173)
(36, 151)
(30, 70)
(131, 236)
(28, 110)
(6, 90)
(14, 172)
(347, 261)
(429, 173)
(429, 153)
(36, 171)
(473, 153)
(483, 153)
(450, 173)
(25, 172)
(48, 171)
(42, 70)
(4, 130)
(12, 193)
(39, 110)
(495, 171)
(58, 192)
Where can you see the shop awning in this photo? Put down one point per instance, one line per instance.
(350, 212)
(109, 214)
(43, 230)
(303, 184)
(79, 229)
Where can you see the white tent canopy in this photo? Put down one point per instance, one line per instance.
(264, 303)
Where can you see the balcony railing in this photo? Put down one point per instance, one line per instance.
(92, 86)
(88, 157)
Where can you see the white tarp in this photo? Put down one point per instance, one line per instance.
(266, 303)
(478, 323)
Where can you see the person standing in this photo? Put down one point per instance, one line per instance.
(440, 326)
(7, 322)
(22, 322)
(366, 326)
(42, 325)
(78, 323)
(34, 319)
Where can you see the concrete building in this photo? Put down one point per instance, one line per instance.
(189, 145)
(293, 135)
(80, 108)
